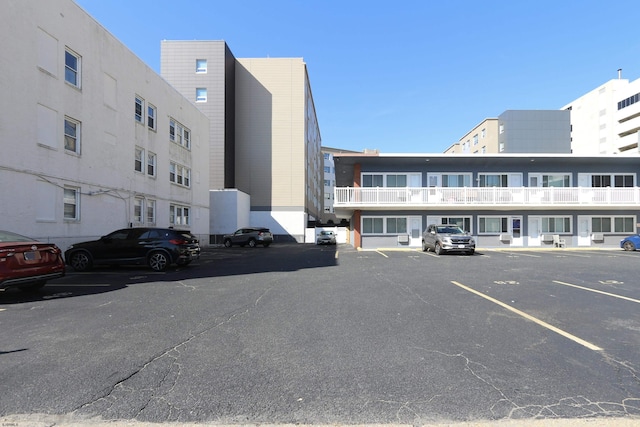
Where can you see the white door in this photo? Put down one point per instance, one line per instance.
(534, 231)
(583, 231)
(415, 231)
(415, 184)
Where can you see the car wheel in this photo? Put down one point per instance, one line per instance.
(252, 243)
(159, 261)
(424, 247)
(227, 243)
(80, 261)
(438, 249)
(629, 246)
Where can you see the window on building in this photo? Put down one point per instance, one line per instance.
(475, 139)
(179, 134)
(556, 224)
(493, 225)
(139, 108)
(71, 203)
(397, 225)
(201, 94)
(462, 222)
(617, 180)
(484, 133)
(71, 135)
(327, 169)
(139, 156)
(327, 183)
(72, 68)
(372, 180)
(151, 164)
(622, 224)
(623, 181)
(456, 180)
(138, 210)
(493, 180)
(396, 180)
(201, 66)
(179, 174)
(179, 215)
(372, 225)
(151, 117)
(151, 212)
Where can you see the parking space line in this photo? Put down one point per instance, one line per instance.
(384, 255)
(597, 291)
(531, 318)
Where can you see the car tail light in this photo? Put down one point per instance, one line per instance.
(178, 241)
(260, 233)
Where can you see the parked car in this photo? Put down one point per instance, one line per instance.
(251, 236)
(156, 247)
(26, 263)
(447, 238)
(630, 243)
(326, 238)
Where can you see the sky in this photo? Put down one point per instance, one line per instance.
(405, 76)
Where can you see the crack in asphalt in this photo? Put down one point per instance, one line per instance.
(121, 391)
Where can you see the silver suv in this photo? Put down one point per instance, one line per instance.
(445, 238)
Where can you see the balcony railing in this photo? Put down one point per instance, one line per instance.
(356, 197)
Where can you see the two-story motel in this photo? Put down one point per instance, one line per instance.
(514, 200)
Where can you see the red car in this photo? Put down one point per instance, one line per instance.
(26, 263)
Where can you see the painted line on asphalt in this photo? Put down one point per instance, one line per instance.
(522, 254)
(531, 318)
(382, 254)
(597, 291)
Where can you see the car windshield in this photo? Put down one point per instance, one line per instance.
(326, 233)
(450, 230)
(7, 236)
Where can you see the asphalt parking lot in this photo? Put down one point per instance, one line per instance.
(330, 335)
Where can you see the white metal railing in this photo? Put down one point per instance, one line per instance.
(528, 196)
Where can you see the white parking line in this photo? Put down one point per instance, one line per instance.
(533, 319)
(597, 291)
(382, 254)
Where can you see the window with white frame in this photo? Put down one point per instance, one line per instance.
(71, 203)
(201, 66)
(72, 135)
(484, 133)
(138, 210)
(456, 180)
(151, 117)
(151, 212)
(179, 215)
(550, 180)
(72, 63)
(201, 94)
(493, 224)
(559, 224)
(151, 164)
(138, 159)
(179, 134)
(391, 179)
(179, 174)
(384, 225)
(463, 222)
(493, 180)
(620, 224)
(139, 109)
(613, 180)
(475, 139)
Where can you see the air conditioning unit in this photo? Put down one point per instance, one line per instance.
(403, 238)
(506, 238)
(547, 238)
(597, 237)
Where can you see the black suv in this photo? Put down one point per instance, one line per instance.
(251, 236)
(155, 247)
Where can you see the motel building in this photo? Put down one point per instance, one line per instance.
(503, 200)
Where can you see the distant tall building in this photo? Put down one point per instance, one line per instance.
(606, 120)
(264, 139)
(518, 131)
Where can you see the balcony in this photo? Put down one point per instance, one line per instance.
(500, 198)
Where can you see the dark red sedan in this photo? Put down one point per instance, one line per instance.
(26, 263)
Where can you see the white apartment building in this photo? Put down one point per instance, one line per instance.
(92, 139)
(329, 185)
(265, 139)
(606, 120)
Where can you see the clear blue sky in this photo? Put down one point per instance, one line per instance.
(405, 76)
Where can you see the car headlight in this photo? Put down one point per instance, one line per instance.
(472, 242)
(446, 240)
